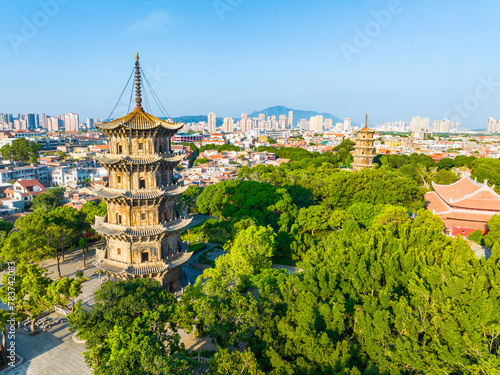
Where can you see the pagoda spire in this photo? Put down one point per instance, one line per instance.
(366, 121)
(138, 98)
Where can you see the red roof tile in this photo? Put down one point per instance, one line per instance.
(458, 190)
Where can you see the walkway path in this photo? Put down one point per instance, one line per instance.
(50, 353)
(480, 251)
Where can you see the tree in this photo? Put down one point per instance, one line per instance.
(54, 230)
(235, 363)
(249, 253)
(25, 245)
(445, 163)
(89, 211)
(21, 150)
(49, 200)
(200, 161)
(188, 198)
(6, 226)
(214, 304)
(445, 177)
(241, 199)
(33, 292)
(384, 299)
(314, 218)
(127, 330)
(493, 235)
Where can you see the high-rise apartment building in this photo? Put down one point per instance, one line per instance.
(70, 121)
(328, 123)
(493, 125)
(212, 122)
(31, 121)
(54, 124)
(419, 124)
(441, 126)
(347, 124)
(290, 119)
(282, 122)
(316, 124)
(228, 125)
(262, 117)
(43, 121)
(304, 124)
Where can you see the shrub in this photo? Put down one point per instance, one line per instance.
(477, 237)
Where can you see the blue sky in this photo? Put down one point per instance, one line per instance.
(393, 59)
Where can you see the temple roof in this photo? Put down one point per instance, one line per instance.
(139, 120)
(469, 194)
(457, 190)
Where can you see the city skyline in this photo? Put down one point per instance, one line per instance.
(370, 59)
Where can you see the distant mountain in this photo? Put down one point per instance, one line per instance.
(297, 114)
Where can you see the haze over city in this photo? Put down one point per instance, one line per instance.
(395, 59)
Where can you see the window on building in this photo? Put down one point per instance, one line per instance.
(118, 218)
(119, 251)
(120, 150)
(142, 183)
(141, 146)
(143, 216)
(119, 179)
(145, 257)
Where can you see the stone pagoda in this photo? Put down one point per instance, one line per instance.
(364, 151)
(142, 225)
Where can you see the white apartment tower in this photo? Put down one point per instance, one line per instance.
(347, 124)
(419, 124)
(316, 124)
(212, 122)
(493, 125)
(228, 125)
(282, 122)
(290, 119)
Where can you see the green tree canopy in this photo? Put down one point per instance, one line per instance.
(21, 150)
(126, 330)
(49, 200)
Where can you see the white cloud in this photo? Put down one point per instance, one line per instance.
(153, 22)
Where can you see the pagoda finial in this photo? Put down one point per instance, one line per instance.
(138, 98)
(366, 121)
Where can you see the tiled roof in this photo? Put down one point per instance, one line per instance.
(146, 159)
(155, 193)
(478, 204)
(458, 190)
(435, 204)
(154, 268)
(140, 120)
(141, 231)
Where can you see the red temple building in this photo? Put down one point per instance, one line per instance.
(464, 206)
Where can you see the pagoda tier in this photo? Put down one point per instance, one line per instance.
(138, 233)
(142, 225)
(169, 193)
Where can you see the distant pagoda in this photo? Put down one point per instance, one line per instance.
(364, 151)
(142, 225)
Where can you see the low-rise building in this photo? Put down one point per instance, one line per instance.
(63, 176)
(38, 172)
(25, 190)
